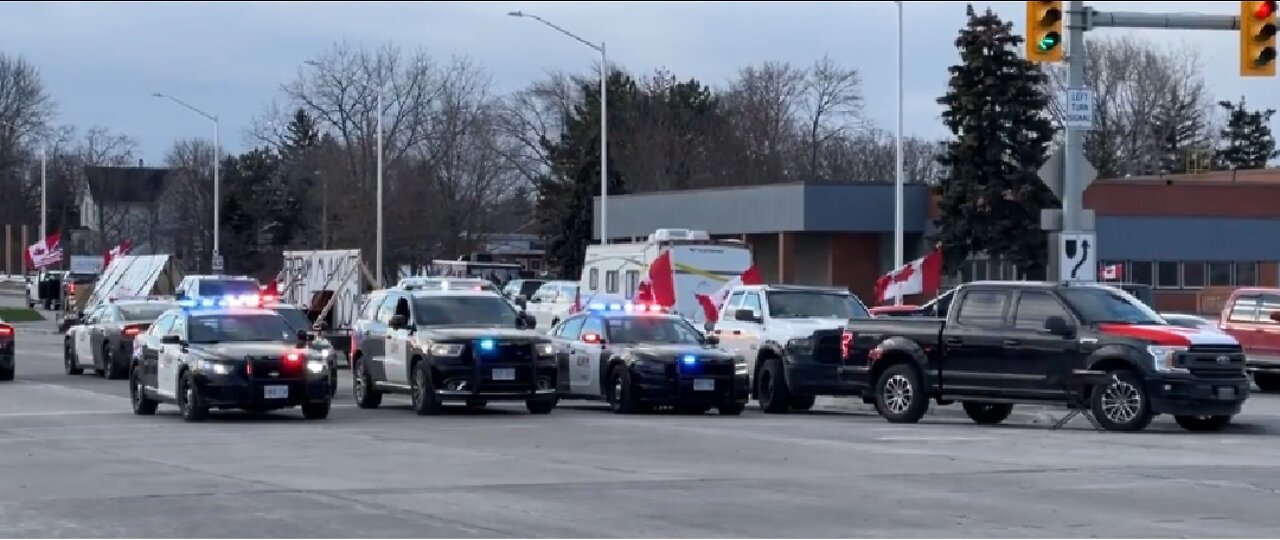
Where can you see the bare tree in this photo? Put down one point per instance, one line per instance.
(767, 100)
(834, 97)
(26, 111)
(187, 205)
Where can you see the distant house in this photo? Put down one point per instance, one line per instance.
(127, 203)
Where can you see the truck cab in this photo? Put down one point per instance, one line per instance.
(757, 321)
(1252, 316)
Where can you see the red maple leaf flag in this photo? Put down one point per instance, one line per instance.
(1113, 272)
(662, 280)
(44, 253)
(923, 275)
(711, 302)
(123, 248)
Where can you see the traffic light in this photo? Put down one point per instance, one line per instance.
(1258, 39)
(1044, 31)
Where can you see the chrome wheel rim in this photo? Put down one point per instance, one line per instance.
(358, 383)
(419, 381)
(1121, 402)
(897, 394)
(617, 388)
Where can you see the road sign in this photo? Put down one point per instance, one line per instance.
(1078, 256)
(1054, 170)
(217, 264)
(1079, 113)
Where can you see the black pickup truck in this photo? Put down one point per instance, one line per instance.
(1004, 343)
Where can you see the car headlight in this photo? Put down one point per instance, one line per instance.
(217, 368)
(324, 353)
(317, 366)
(446, 349)
(1164, 357)
(546, 349)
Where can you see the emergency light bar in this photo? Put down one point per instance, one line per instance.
(627, 308)
(228, 301)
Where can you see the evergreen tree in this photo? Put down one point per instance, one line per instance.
(1247, 140)
(565, 195)
(286, 210)
(996, 109)
(246, 202)
(1183, 130)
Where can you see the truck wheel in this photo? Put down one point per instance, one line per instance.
(316, 411)
(988, 414)
(423, 392)
(1122, 405)
(190, 404)
(900, 396)
(1203, 423)
(142, 405)
(771, 389)
(622, 398)
(71, 363)
(731, 409)
(1267, 382)
(802, 403)
(362, 387)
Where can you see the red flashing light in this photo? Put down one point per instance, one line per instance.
(1265, 9)
(6, 330)
(131, 331)
(71, 288)
(293, 358)
(268, 299)
(591, 338)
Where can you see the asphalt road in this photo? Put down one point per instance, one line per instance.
(75, 462)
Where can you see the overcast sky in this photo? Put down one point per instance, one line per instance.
(102, 61)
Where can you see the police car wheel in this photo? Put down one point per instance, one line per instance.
(423, 392)
(142, 405)
(362, 387)
(71, 363)
(190, 403)
(316, 411)
(731, 409)
(621, 397)
(112, 369)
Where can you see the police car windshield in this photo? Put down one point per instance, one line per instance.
(1097, 305)
(237, 327)
(463, 311)
(812, 304)
(144, 312)
(295, 318)
(228, 287)
(652, 330)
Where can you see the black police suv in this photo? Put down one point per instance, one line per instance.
(439, 346)
(637, 358)
(227, 358)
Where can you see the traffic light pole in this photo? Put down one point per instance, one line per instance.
(1175, 21)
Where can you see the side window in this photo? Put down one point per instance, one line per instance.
(110, 314)
(593, 279)
(95, 316)
(752, 302)
(983, 308)
(1270, 304)
(611, 282)
(633, 281)
(734, 300)
(1034, 308)
(369, 310)
(593, 326)
(179, 326)
(570, 328)
(385, 309)
(163, 325)
(1244, 309)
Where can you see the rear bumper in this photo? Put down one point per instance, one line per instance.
(528, 383)
(6, 361)
(1197, 397)
(228, 392)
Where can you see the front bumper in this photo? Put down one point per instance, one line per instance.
(1195, 396)
(230, 391)
(668, 384)
(528, 382)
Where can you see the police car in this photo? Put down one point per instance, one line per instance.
(228, 353)
(6, 351)
(638, 356)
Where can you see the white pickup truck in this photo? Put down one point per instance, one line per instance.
(758, 321)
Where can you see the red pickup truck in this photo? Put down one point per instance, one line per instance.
(1252, 316)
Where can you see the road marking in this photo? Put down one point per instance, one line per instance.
(919, 438)
(59, 413)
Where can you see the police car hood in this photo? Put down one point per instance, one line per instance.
(235, 351)
(467, 333)
(672, 351)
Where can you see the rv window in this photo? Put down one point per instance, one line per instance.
(633, 280)
(593, 280)
(611, 282)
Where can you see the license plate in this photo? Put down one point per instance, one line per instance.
(275, 392)
(704, 385)
(504, 374)
(1226, 392)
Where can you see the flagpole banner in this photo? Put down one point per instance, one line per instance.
(45, 253)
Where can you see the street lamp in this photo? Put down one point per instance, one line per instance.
(44, 182)
(217, 179)
(899, 240)
(604, 119)
(379, 88)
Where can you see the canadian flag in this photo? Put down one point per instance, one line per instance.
(916, 277)
(1114, 272)
(660, 286)
(123, 248)
(45, 252)
(711, 302)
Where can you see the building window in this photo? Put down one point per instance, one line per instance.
(1193, 274)
(593, 279)
(1247, 273)
(1138, 272)
(611, 282)
(1167, 275)
(633, 281)
(1220, 274)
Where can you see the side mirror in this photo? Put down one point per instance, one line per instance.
(399, 321)
(520, 301)
(171, 339)
(1058, 326)
(713, 340)
(530, 321)
(745, 315)
(1275, 316)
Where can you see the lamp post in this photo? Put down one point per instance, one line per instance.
(604, 119)
(899, 239)
(379, 88)
(217, 179)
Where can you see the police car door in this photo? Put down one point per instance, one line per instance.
(565, 339)
(585, 368)
(396, 361)
(171, 359)
(152, 348)
(84, 336)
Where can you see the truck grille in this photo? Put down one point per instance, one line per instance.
(826, 345)
(1215, 349)
(1216, 361)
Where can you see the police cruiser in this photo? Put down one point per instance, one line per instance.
(637, 356)
(467, 346)
(226, 353)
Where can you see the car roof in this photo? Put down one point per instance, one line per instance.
(1042, 284)
(437, 293)
(631, 315)
(229, 311)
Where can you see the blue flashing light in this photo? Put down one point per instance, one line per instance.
(487, 345)
(596, 307)
(689, 359)
(629, 307)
